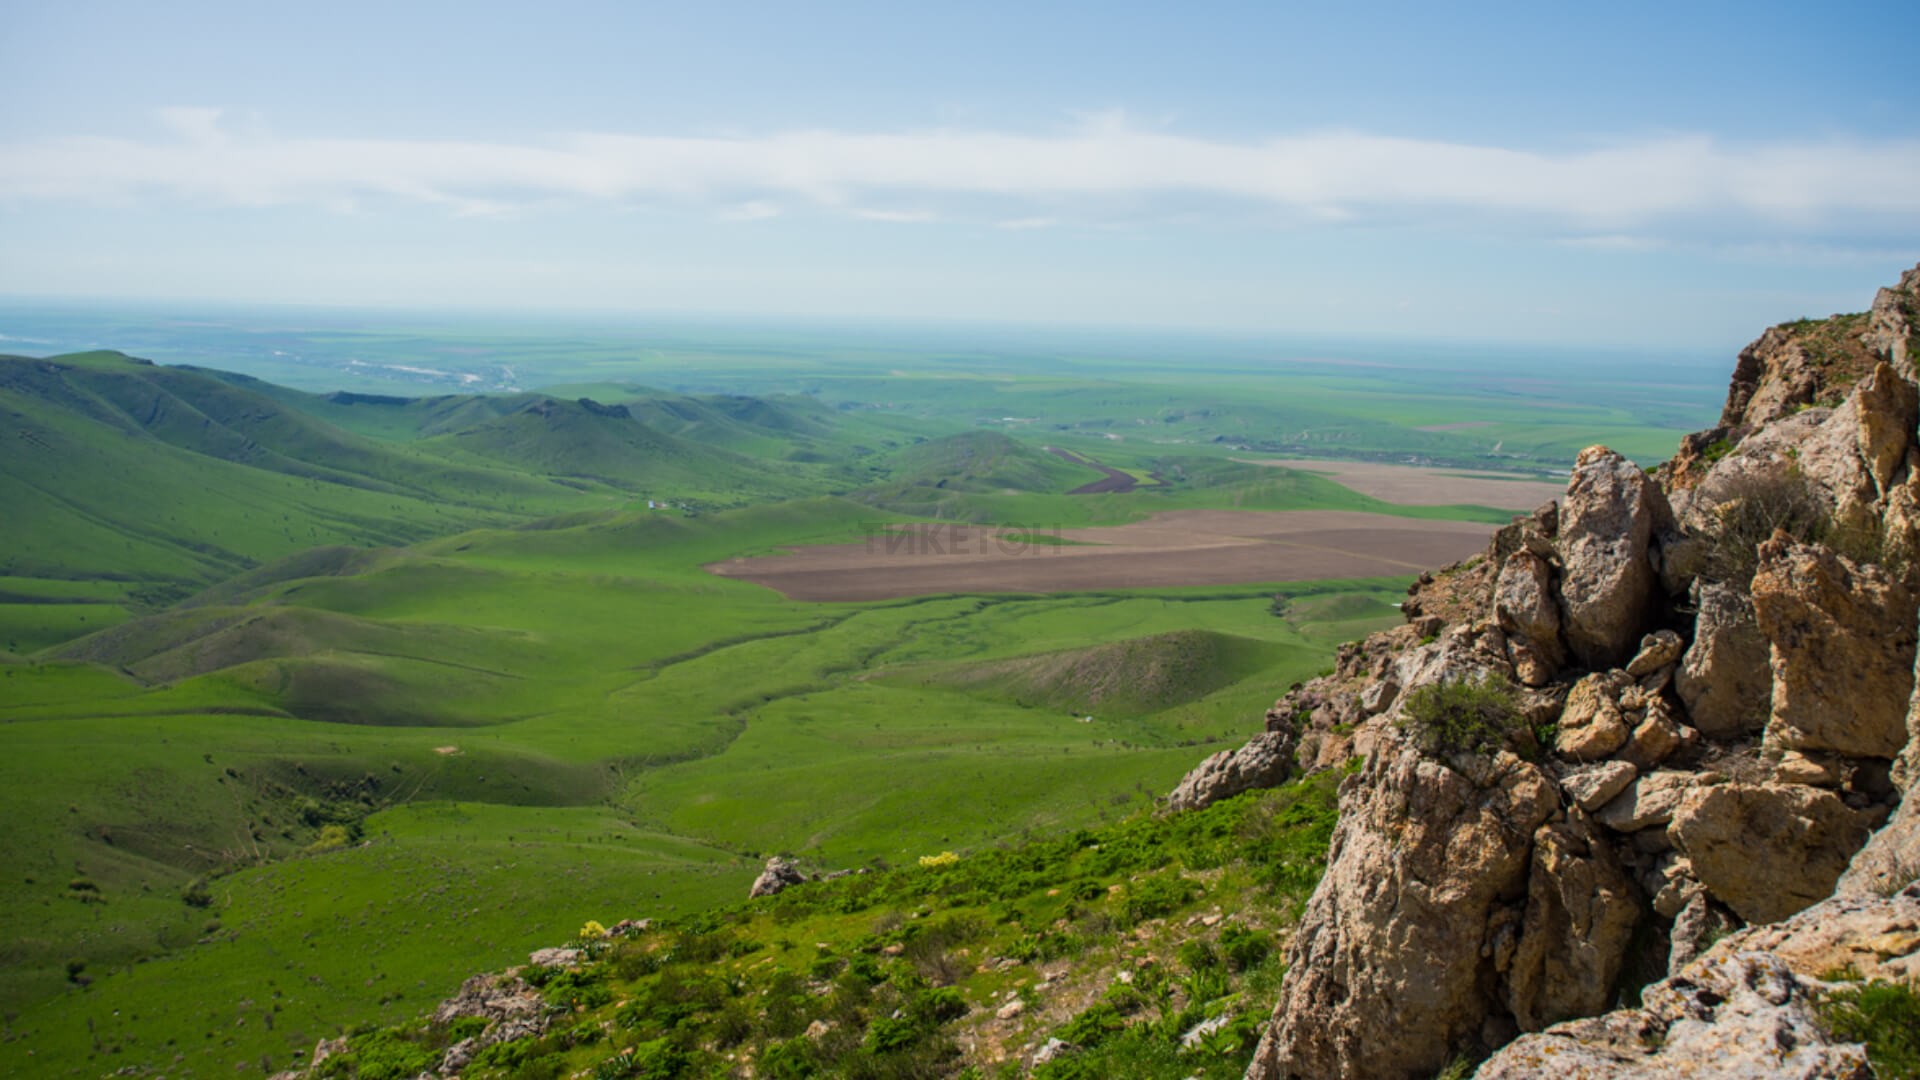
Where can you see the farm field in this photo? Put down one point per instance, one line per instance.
(1173, 548)
(1411, 485)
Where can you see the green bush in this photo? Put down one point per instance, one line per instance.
(1460, 716)
(1886, 1017)
(378, 1055)
(1244, 948)
(1093, 1026)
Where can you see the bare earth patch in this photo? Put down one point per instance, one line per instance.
(1184, 547)
(1412, 485)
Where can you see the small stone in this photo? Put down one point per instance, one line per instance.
(1592, 726)
(1653, 741)
(1813, 770)
(1657, 650)
(1594, 786)
(1648, 801)
(1011, 1009)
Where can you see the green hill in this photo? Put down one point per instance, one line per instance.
(1141, 675)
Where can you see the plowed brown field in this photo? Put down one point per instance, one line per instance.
(1184, 547)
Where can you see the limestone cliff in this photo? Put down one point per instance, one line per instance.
(1673, 705)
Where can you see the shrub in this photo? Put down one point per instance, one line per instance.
(1093, 1026)
(1460, 715)
(379, 1055)
(1753, 507)
(1244, 948)
(1886, 1017)
(934, 862)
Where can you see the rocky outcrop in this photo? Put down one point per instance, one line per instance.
(1265, 761)
(1425, 863)
(1767, 850)
(779, 875)
(1725, 679)
(1746, 1015)
(1527, 611)
(1891, 325)
(1607, 581)
(1842, 638)
(1744, 1008)
(1581, 912)
(1473, 896)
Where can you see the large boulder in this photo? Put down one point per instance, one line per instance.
(1424, 860)
(1842, 642)
(1767, 850)
(1724, 678)
(1581, 912)
(1608, 587)
(1265, 761)
(1526, 610)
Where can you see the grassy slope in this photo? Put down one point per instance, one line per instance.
(752, 741)
(1119, 940)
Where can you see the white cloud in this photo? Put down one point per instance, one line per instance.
(1022, 223)
(1006, 178)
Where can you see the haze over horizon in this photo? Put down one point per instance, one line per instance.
(1642, 176)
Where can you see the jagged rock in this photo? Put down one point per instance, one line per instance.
(1608, 588)
(1594, 786)
(494, 998)
(1696, 926)
(1842, 641)
(1648, 801)
(560, 958)
(1767, 850)
(1671, 882)
(1592, 725)
(1657, 650)
(779, 875)
(1891, 324)
(1527, 612)
(326, 1048)
(1889, 410)
(1813, 770)
(1391, 940)
(1379, 695)
(1653, 740)
(1877, 937)
(1891, 858)
(1725, 679)
(1581, 911)
(1745, 1015)
(1265, 761)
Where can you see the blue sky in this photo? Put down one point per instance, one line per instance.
(1672, 174)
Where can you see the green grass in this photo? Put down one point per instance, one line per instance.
(584, 668)
(903, 967)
